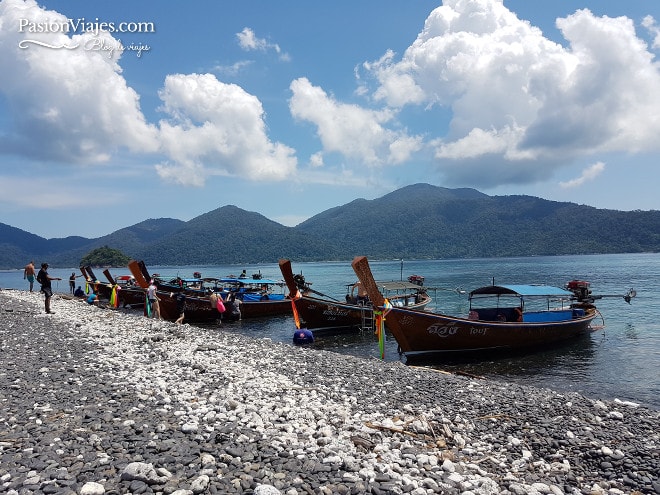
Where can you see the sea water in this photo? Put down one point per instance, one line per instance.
(621, 361)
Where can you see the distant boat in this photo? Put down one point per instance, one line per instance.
(100, 288)
(126, 291)
(257, 295)
(323, 314)
(501, 318)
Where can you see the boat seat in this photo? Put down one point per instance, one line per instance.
(495, 314)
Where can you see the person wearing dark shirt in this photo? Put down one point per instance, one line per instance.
(72, 283)
(180, 306)
(233, 305)
(44, 279)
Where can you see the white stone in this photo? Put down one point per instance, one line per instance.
(448, 466)
(615, 415)
(92, 488)
(266, 490)
(190, 428)
(606, 451)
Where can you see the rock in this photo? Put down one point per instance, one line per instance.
(142, 471)
(92, 488)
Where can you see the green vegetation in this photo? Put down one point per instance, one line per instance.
(105, 256)
(416, 222)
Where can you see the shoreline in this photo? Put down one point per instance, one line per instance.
(101, 401)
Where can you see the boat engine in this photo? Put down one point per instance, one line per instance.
(581, 290)
(299, 279)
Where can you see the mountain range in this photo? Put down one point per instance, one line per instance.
(420, 221)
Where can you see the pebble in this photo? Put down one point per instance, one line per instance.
(96, 401)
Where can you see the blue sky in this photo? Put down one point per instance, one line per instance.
(291, 108)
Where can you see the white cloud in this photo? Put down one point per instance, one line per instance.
(480, 142)
(69, 105)
(73, 106)
(233, 69)
(248, 41)
(217, 129)
(316, 160)
(353, 131)
(520, 102)
(609, 101)
(54, 193)
(650, 24)
(588, 174)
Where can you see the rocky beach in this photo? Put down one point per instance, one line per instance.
(99, 401)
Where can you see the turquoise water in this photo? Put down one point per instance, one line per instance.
(621, 361)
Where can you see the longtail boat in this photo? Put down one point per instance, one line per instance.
(126, 292)
(198, 306)
(100, 288)
(324, 315)
(500, 318)
(257, 296)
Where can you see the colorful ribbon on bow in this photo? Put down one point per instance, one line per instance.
(114, 297)
(380, 326)
(296, 317)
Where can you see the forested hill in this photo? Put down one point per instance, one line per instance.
(419, 221)
(424, 221)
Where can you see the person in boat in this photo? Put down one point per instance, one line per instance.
(362, 296)
(243, 274)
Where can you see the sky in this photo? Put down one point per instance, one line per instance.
(112, 113)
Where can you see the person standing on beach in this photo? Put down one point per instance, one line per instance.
(44, 279)
(28, 274)
(180, 307)
(153, 300)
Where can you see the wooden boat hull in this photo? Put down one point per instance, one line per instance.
(131, 296)
(258, 309)
(424, 334)
(198, 309)
(101, 289)
(421, 334)
(320, 315)
(324, 315)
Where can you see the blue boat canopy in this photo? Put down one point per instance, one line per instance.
(247, 281)
(522, 290)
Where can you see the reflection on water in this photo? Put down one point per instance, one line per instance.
(630, 331)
